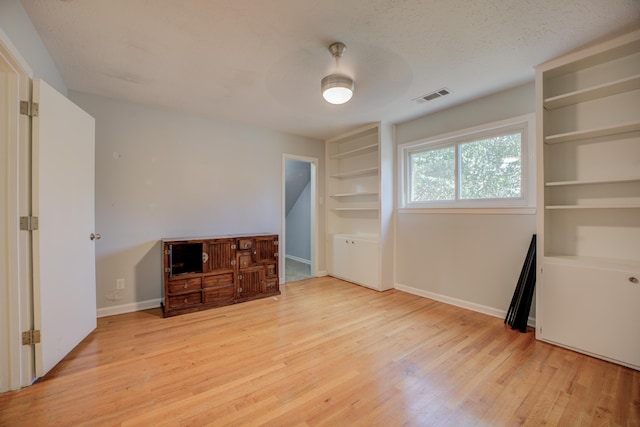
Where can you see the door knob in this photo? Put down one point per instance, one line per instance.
(95, 236)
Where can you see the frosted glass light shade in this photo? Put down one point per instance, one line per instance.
(337, 88)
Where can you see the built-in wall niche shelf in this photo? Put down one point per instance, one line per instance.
(595, 92)
(356, 173)
(356, 152)
(593, 181)
(592, 133)
(588, 231)
(359, 171)
(592, 261)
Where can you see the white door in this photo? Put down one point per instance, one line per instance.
(64, 282)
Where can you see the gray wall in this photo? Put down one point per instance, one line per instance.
(474, 257)
(16, 24)
(166, 174)
(298, 221)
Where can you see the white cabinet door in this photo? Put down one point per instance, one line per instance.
(364, 262)
(592, 310)
(355, 260)
(340, 257)
(64, 278)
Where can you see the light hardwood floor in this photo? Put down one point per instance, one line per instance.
(328, 353)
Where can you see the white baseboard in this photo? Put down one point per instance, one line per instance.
(491, 311)
(129, 308)
(322, 273)
(302, 260)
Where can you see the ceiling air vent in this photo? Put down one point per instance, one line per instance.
(431, 96)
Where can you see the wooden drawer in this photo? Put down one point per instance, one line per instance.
(218, 280)
(220, 294)
(272, 285)
(271, 269)
(245, 244)
(185, 300)
(244, 260)
(184, 285)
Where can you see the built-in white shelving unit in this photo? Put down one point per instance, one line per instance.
(588, 113)
(359, 206)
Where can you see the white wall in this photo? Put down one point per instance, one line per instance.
(298, 222)
(167, 174)
(16, 24)
(471, 259)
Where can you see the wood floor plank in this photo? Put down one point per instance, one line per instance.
(324, 353)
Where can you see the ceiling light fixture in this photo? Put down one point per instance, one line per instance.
(337, 88)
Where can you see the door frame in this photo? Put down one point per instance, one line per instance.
(313, 162)
(17, 363)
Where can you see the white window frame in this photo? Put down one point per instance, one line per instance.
(524, 204)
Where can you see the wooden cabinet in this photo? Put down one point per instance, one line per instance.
(215, 271)
(359, 206)
(588, 113)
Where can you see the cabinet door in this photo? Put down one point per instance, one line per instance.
(593, 310)
(251, 282)
(266, 248)
(221, 255)
(364, 262)
(340, 257)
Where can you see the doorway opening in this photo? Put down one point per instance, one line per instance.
(299, 218)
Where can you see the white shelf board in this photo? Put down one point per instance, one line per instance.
(625, 45)
(551, 207)
(595, 92)
(354, 194)
(362, 150)
(587, 261)
(592, 133)
(353, 209)
(366, 130)
(593, 181)
(360, 172)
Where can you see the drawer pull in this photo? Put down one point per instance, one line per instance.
(185, 286)
(633, 280)
(186, 300)
(239, 289)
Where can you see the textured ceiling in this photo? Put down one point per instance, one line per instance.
(261, 62)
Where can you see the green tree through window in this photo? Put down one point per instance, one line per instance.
(491, 168)
(433, 175)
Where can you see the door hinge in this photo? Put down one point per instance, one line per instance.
(31, 337)
(28, 223)
(30, 109)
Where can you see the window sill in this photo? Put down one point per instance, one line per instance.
(474, 211)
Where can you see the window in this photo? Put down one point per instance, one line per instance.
(481, 167)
